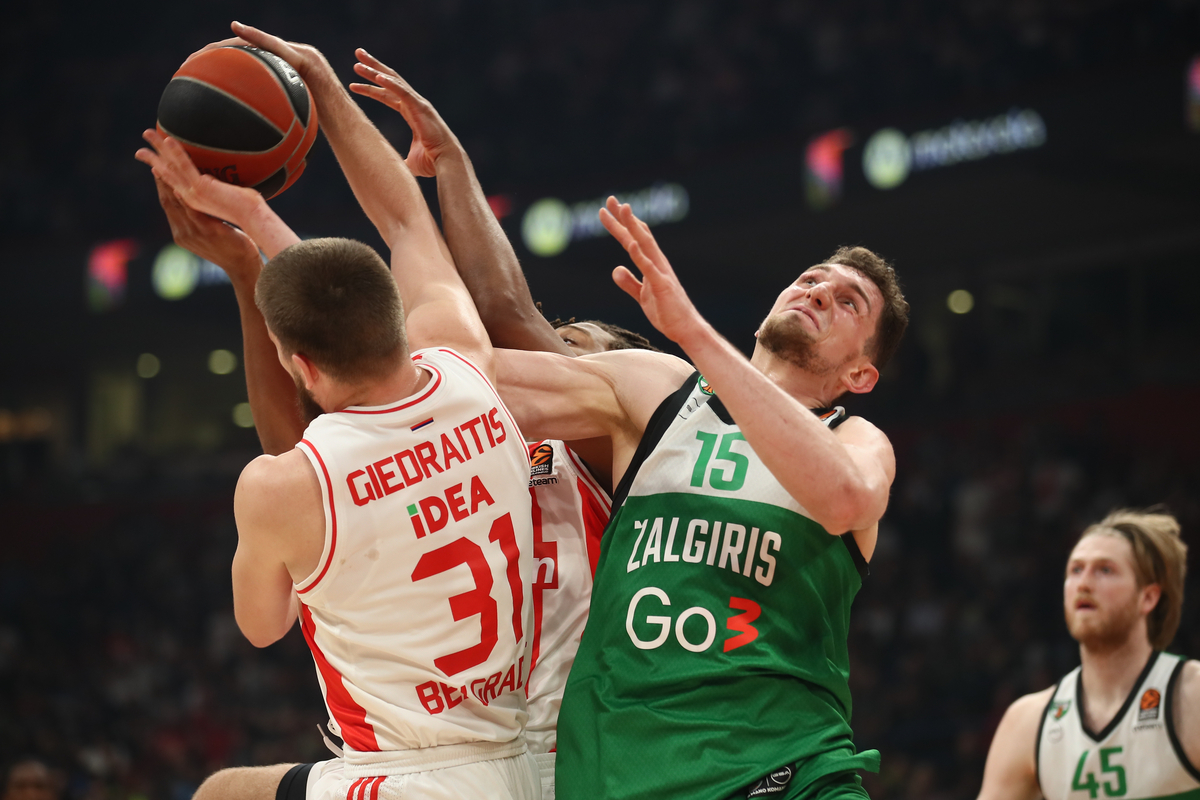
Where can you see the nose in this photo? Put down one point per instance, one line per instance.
(820, 295)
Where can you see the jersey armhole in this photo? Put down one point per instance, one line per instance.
(1037, 740)
(1169, 702)
(656, 428)
(318, 464)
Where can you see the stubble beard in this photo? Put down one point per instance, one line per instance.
(309, 408)
(1103, 635)
(787, 339)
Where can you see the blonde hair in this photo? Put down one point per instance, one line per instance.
(1159, 557)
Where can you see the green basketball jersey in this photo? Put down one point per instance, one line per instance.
(715, 652)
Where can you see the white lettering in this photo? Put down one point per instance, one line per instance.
(708, 639)
(653, 541)
(731, 550)
(693, 552)
(665, 622)
(633, 562)
(750, 553)
(766, 576)
(667, 554)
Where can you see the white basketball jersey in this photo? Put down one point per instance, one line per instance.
(570, 512)
(418, 614)
(1137, 756)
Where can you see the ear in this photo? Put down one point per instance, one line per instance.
(308, 370)
(1151, 593)
(861, 378)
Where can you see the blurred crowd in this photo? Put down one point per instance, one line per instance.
(547, 91)
(122, 668)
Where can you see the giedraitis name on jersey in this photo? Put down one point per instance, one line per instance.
(724, 545)
(409, 467)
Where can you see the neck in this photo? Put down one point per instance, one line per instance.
(1109, 673)
(404, 381)
(810, 390)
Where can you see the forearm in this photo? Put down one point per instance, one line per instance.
(803, 454)
(486, 261)
(271, 391)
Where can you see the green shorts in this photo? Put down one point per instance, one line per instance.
(846, 785)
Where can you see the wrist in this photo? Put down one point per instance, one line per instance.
(695, 334)
(452, 156)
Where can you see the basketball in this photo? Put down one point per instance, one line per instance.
(243, 115)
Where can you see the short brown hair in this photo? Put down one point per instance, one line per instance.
(1159, 556)
(893, 318)
(334, 301)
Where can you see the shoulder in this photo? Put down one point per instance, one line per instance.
(1011, 769)
(1019, 726)
(861, 433)
(274, 488)
(1186, 710)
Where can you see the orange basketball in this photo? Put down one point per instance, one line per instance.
(243, 115)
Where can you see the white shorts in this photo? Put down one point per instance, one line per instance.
(451, 772)
(545, 762)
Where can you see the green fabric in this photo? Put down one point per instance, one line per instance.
(668, 723)
(838, 786)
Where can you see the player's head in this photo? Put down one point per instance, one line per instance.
(1125, 576)
(593, 336)
(841, 320)
(332, 307)
(28, 779)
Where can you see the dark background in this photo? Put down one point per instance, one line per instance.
(1070, 388)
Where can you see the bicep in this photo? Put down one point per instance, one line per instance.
(262, 586)
(1011, 769)
(872, 455)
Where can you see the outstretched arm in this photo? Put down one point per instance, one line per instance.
(482, 253)
(841, 479)
(271, 390)
(437, 305)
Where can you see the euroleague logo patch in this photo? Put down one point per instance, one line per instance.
(541, 460)
(1059, 708)
(775, 783)
(1151, 700)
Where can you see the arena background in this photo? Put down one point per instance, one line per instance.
(1040, 160)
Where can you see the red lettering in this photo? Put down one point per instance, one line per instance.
(418, 526)
(489, 689)
(359, 501)
(427, 457)
(475, 691)
(375, 481)
(479, 494)
(434, 522)
(471, 425)
(510, 680)
(416, 477)
(740, 623)
(488, 430)
(385, 477)
(458, 505)
(463, 443)
(449, 451)
(449, 691)
(501, 434)
(429, 696)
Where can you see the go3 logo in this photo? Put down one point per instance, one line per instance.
(737, 623)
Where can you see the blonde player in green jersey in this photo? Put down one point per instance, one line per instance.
(714, 663)
(1126, 723)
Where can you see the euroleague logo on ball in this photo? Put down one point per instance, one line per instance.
(228, 174)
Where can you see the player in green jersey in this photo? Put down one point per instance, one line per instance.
(714, 663)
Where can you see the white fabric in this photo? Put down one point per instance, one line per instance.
(465, 771)
(1139, 745)
(418, 614)
(569, 514)
(545, 763)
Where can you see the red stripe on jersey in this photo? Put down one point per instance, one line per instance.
(540, 550)
(350, 716)
(585, 473)
(353, 790)
(595, 520)
(375, 784)
(332, 517)
(430, 389)
(516, 428)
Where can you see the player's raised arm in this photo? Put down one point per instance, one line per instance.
(841, 478)
(482, 253)
(271, 390)
(437, 305)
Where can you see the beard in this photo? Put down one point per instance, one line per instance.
(310, 409)
(1103, 632)
(786, 338)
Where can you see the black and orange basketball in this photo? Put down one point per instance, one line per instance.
(243, 115)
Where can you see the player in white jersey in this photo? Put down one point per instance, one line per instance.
(399, 531)
(1126, 722)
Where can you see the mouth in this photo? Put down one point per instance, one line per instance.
(1085, 605)
(807, 312)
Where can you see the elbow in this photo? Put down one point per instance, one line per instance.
(260, 638)
(853, 506)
